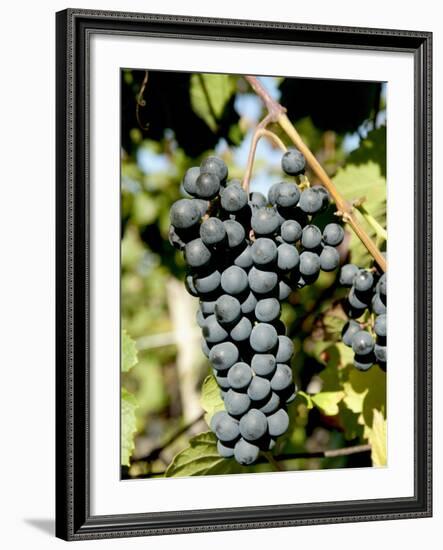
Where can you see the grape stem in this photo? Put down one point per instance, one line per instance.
(259, 132)
(277, 114)
(270, 458)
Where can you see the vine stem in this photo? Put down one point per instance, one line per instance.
(260, 131)
(277, 114)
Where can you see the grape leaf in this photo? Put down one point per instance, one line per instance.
(129, 352)
(377, 439)
(211, 401)
(201, 458)
(209, 95)
(128, 425)
(327, 401)
(365, 392)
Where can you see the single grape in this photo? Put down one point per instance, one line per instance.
(363, 281)
(223, 356)
(310, 201)
(190, 179)
(208, 283)
(263, 364)
(291, 231)
(285, 350)
(227, 309)
(309, 263)
(311, 236)
(288, 195)
(347, 274)
(212, 231)
(271, 405)
(362, 343)
(184, 213)
(278, 423)
(197, 254)
(262, 282)
(253, 425)
(287, 257)
(380, 353)
(234, 280)
(263, 338)
(235, 233)
(267, 310)
(234, 198)
(245, 453)
(207, 186)
(236, 403)
(225, 451)
(282, 378)
(224, 426)
(293, 162)
(348, 332)
(264, 221)
(263, 251)
(284, 291)
(244, 259)
(242, 330)
(249, 304)
(259, 388)
(329, 258)
(257, 200)
(212, 331)
(214, 165)
(333, 234)
(378, 307)
(239, 376)
(380, 325)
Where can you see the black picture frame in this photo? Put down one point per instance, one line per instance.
(74, 28)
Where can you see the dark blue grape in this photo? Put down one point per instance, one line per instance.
(236, 403)
(227, 309)
(245, 453)
(190, 179)
(212, 231)
(235, 233)
(208, 283)
(253, 425)
(363, 281)
(224, 451)
(264, 221)
(197, 254)
(224, 426)
(293, 162)
(347, 274)
(242, 330)
(212, 331)
(287, 257)
(261, 281)
(333, 234)
(278, 423)
(309, 263)
(249, 304)
(263, 338)
(288, 195)
(234, 198)
(380, 353)
(291, 231)
(378, 307)
(282, 378)
(351, 328)
(311, 201)
(284, 291)
(362, 343)
(257, 200)
(223, 356)
(263, 364)
(329, 258)
(239, 376)
(263, 251)
(214, 165)
(234, 280)
(267, 310)
(259, 388)
(380, 326)
(244, 259)
(184, 214)
(311, 237)
(285, 350)
(271, 405)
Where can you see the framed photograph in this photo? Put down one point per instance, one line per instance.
(229, 196)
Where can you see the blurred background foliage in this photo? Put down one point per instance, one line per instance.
(169, 122)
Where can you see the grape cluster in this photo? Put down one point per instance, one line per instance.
(245, 253)
(366, 300)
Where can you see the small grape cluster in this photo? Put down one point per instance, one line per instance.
(366, 298)
(245, 254)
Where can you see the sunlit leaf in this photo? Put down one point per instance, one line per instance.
(211, 401)
(201, 458)
(209, 96)
(128, 425)
(128, 353)
(377, 439)
(328, 401)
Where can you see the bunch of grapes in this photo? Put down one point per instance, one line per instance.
(366, 299)
(245, 253)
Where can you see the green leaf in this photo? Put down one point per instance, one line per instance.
(302, 398)
(211, 401)
(366, 392)
(364, 176)
(128, 425)
(377, 439)
(129, 352)
(333, 326)
(201, 458)
(209, 95)
(327, 401)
